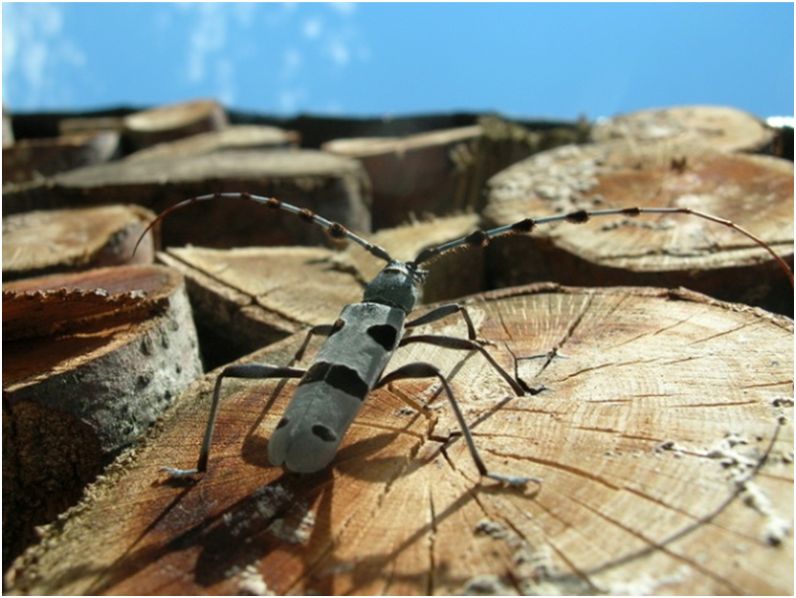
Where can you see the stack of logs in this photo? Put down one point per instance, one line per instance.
(661, 429)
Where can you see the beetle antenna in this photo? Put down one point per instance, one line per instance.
(334, 229)
(481, 238)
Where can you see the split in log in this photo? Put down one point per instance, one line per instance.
(663, 439)
(91, 359)
(44, 242)
(334, 186)
(717, 127)
(234, 137)
(245, 298)
(174, 121)
(36, 159)
(755, 192)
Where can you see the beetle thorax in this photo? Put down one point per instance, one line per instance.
(397, 285)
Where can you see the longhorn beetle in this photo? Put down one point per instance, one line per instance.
(363, 339)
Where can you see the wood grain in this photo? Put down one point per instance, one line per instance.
(719, 127)
(755, 192)
(42, 242)
(663, 439)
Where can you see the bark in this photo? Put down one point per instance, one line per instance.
(755, 192)
(663, 440)
(90, 361)
(43, 242)
(718, 127)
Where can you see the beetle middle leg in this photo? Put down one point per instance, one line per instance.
(426, 370)
(248, 370)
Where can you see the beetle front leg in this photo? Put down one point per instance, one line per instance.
(444, 311)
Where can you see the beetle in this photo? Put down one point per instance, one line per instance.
(361, 342)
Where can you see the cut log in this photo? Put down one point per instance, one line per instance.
(717, 127)
(44, 242)
(330, 185)
(441, 172)
(90, 124)
(240, 137)
(174, 121)
(419, 175)
(755, 192)
(35, 159)
(90, 361)
(664, 442)
(246, 298)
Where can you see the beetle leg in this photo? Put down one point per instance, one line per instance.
(248, 370)
(426, 370)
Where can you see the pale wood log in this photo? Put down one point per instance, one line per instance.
(173, 121)
(718, 127)
(36, 159)
(233, 137)
(48, 241)
(331, 185)
(90, 361)
(664, 442)
(755, 192)
(248, 297)
(90, 124)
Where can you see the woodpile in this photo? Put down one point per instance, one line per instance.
(654, 356)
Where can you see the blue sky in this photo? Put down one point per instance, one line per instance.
(531, 60)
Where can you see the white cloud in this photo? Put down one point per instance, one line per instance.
(345, 8)
(339, 52)
(36, 52)
(312, 28)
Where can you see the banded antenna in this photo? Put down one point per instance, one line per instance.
(481, 238)
(334, 229)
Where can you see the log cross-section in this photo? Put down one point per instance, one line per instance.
(662, 434)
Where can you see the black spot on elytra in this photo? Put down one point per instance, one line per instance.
(282, 423)
(337, 376)
(344, 378)
(316, 373)
(384, 334)
(324, 433)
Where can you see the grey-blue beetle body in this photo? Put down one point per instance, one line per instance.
(335, 386)
(362, 341)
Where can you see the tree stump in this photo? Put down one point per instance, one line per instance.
(664, 442)
(43, 242)
(330, 185)
(91, 360)
(245, 298)
(36, 159)
(718, 127)
(167, 123)
(234, 137)
(755, 192)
